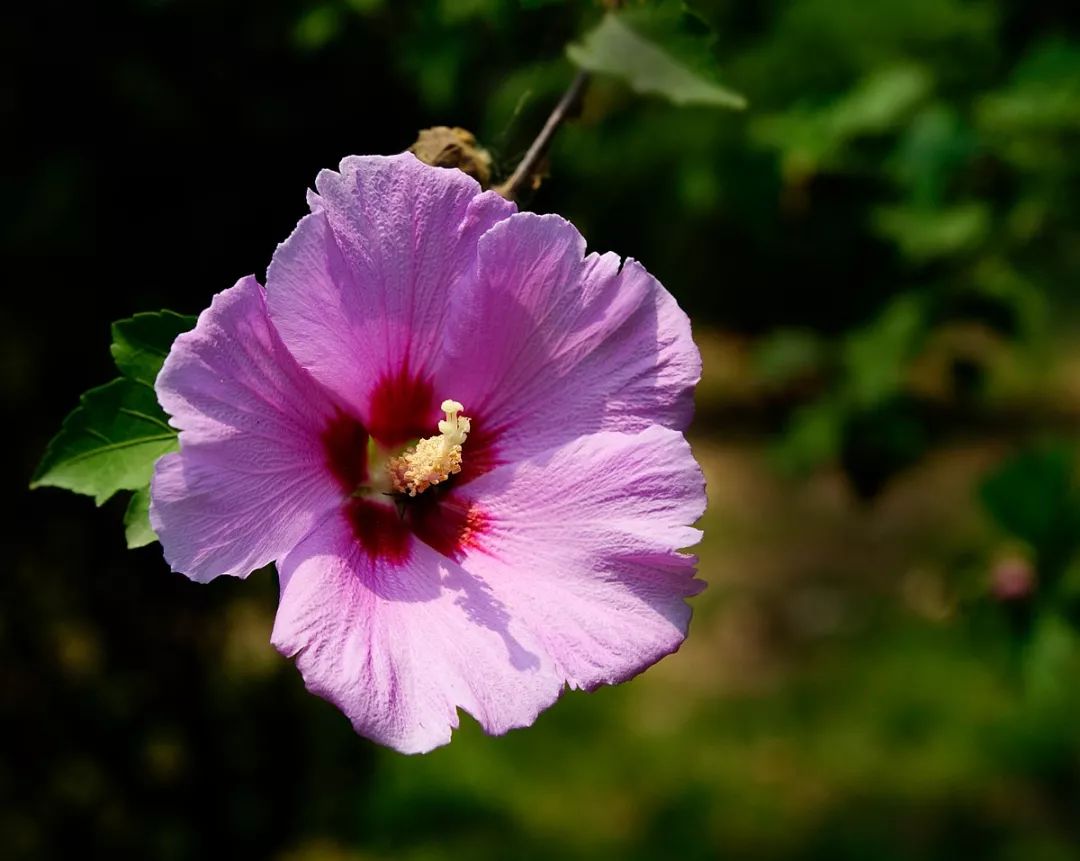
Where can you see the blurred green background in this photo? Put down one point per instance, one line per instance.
(881, 259)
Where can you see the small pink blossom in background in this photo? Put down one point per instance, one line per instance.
(1012, 579)
(552, 558)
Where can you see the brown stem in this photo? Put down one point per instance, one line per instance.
(523, 173)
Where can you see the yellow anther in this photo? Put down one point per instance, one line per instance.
(434, 459)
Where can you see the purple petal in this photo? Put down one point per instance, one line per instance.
(582, 545)
(547, 344)
(360, 291)
(399, 644)
(251, 478)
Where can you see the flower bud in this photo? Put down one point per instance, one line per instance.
(442, 146)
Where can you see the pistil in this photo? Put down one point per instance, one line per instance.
(434, 459)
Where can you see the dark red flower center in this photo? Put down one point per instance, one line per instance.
(403, 408)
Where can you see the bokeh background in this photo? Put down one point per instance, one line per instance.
(881, 259)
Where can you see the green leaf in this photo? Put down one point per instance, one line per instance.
(811, 138)
(788, 355)
(141, 343)
(112, 439)
(876, 356)
(317, 27)
(931, 151)
(108, 443)
(1053, 660)
(667, 62)
(813, 437)
(880, 440)
(1044, 95)
(926, 234)
(879, 103)
(137, 527)
(1034, 496)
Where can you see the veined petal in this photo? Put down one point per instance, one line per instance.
(548, 344)
(252, 476)
(399, 641)
(582, 544)
(554, 556)
(362, 288)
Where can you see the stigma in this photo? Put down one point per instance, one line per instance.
(434, 459)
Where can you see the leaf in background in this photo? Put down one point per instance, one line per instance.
(876, 356)
(317, 27)
(812, 138)
(652, 52)
(880, 102)
(1044, 95)
(141, 343)
(923, 233)
(1034, 497)
(108, 443)
(788, 355)
(137, 527)
(812, 437)
(1053, 660)
(1033, 122)
(880, 441)
(1005, 299)
(934, 147)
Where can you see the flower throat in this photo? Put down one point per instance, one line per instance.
(433, 459)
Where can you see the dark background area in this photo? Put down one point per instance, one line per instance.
(880, 258)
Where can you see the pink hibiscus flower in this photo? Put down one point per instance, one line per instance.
(460, 440)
